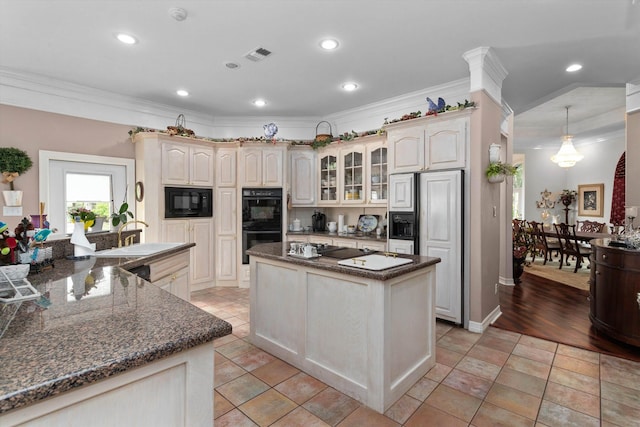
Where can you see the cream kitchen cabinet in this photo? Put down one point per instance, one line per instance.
(402, 192)
(226, 237)
(401, 246)
(329, 179)
(184, 164)
(345, 243)
(200, 232)
(303, 176)
(352, 172)
(226, 167)
(380, 246)
(429, 143)
(261, 167)
(377, 186)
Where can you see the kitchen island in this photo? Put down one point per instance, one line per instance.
(369, 334)
(110, 349)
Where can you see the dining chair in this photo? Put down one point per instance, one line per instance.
(587, 226)
(569, 245)
(540, 243)
(616, 229)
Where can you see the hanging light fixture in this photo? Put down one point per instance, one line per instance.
(567, 156)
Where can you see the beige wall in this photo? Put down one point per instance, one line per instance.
(632, 189)
(484, 233)
(32, 131)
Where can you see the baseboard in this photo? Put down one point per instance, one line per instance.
(506, 281)
(481, 327)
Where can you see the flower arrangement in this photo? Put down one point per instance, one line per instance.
(82, 212)
(567, 197)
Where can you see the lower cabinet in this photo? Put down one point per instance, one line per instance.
(200, 232)
(401, 246)
(172, 275)
(227, 260)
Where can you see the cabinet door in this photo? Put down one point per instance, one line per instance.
(226, 211)
(227, 260)
(406, 149)
(446, 144)
(272, 161)
(377, 175)
(175, 164)
(202, 259)
(352, 174)
(346, 243)
(303, 177)
(176, 230)
(328, 162)
(400, 246)
(402, 192)
(201, 167)
(226, 167)
(319, 239)
(251, 167)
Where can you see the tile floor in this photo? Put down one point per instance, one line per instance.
(497, 378)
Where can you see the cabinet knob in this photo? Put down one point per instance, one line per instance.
(604, 256)
(597, 272)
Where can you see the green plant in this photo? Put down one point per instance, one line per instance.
(13, 162)
(499, 168)
(120, 216)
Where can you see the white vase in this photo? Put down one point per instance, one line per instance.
(12, 198)
(494, 179)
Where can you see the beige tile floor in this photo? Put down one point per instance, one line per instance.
(497, 378)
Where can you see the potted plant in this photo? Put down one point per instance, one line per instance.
(13, 162)
(496, 171)
(87, 216)
(120, 216)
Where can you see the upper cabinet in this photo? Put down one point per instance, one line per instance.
(328, 169)
(226, 169)
(261, 167)
(184, 164)
(352, 171)
(377, 188)
(429, 143)
(302, 166)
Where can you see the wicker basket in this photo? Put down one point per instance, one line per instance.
(322, 139)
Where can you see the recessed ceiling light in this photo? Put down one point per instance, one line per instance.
(182, 92)
(329, 44)
(259, 102)
(349, 86)
(573, 68)
(231, 65)
(126, 38)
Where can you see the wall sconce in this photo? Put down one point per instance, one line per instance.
(494, 153)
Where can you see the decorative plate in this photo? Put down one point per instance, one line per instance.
(367, 223)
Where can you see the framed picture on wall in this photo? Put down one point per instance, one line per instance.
(591, 200)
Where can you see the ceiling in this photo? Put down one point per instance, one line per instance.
(389, 48)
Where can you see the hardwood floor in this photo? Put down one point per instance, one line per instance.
(545, 309)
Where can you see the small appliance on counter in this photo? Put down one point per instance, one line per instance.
(318, 221)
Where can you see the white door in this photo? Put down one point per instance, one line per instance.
(441, 236)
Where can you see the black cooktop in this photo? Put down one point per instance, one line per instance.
(339, 252)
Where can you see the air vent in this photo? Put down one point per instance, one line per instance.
(257, 54)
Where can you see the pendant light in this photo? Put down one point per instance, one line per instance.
(567, 156)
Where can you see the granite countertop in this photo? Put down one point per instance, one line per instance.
(94, 328)
(355, 236)
(279, 251)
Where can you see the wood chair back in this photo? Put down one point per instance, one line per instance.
(569, 245)
(591, 226)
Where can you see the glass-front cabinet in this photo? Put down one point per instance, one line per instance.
(328, 178)
(353, 175)
(377, 190)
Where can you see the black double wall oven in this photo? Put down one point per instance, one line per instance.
(261, 217)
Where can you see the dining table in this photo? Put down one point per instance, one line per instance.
(582, 236)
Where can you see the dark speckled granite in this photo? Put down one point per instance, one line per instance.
(93, 332)
(278, 251)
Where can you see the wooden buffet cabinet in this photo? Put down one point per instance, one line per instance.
(615, 291)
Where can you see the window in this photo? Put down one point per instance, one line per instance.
(95, 182)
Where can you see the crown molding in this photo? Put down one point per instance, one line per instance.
(486, 72)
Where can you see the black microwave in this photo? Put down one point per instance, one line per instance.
(182, 202)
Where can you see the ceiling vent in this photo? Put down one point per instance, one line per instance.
(258, 54)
